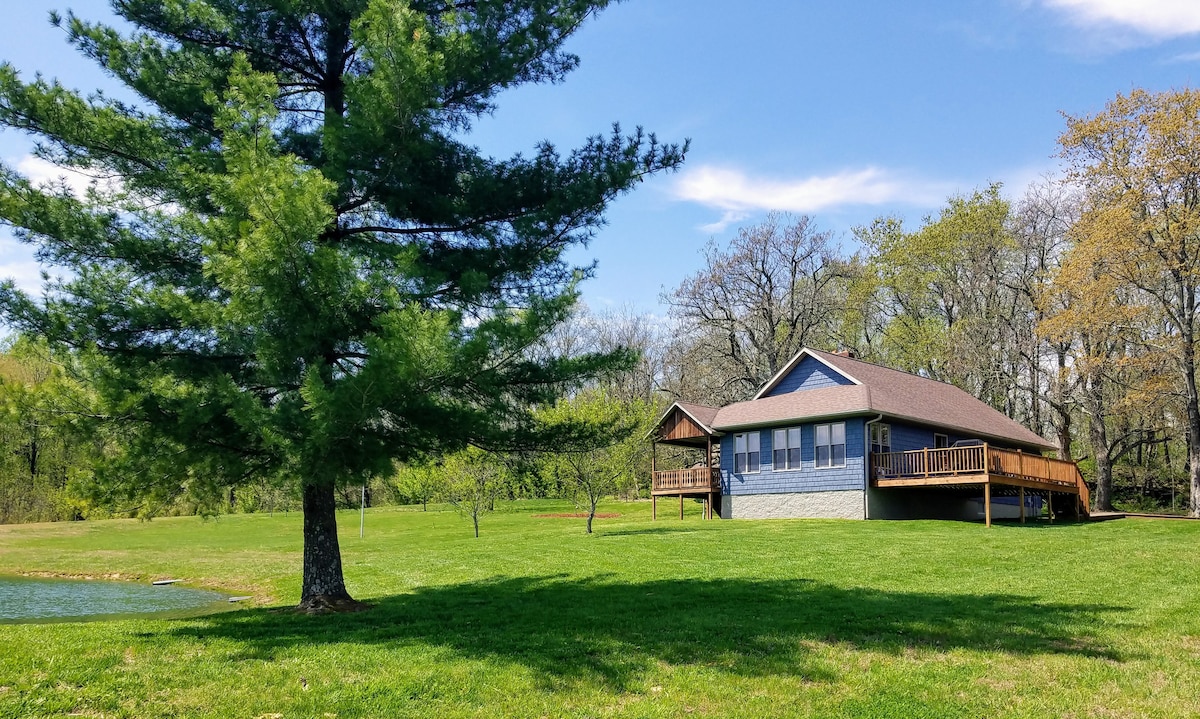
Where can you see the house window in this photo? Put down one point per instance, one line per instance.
(881, 438)
(940, 441)
(786, 448)
(745, 452)
(831, 444)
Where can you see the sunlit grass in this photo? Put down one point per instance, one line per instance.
(642, 619)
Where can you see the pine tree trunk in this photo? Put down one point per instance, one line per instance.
(323, 586)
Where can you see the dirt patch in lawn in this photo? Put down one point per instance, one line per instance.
(577, 515)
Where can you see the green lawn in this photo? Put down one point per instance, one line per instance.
(642, 619)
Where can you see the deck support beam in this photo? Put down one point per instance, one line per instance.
(1021, 494)
(681, 506)
(653, 506)
(987, 504)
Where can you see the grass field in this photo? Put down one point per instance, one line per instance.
(642, 619)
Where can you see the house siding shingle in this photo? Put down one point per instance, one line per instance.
(906, 437)
(806, 479)
(808, 374)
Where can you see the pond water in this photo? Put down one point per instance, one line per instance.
(25, 599)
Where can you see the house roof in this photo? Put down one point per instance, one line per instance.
(876, 390)
(703, 414)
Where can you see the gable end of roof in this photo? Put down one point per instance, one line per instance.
(792, 364)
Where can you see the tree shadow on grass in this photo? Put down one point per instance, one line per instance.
(605, 632)
(684, 529)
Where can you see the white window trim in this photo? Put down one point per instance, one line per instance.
(845, 445)
(939, 434)
(787, 466)
(747, 452)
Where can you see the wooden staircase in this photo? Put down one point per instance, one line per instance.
(1085, 496)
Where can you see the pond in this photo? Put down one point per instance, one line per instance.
(25, 599)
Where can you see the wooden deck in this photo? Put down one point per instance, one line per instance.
(699, 480)
(980, 465)
(704, 482)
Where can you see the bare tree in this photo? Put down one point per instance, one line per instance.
(776, 288)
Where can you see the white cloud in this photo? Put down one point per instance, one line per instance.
(20, 267)
(738, 194)
(1186, 57)
(43, 172)
(1159, 19)
(727, 219)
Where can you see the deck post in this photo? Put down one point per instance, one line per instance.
(987, 504)
(1021, 495)
(653, 471)
(681, 506)
(1050, 505)
(1020, 463)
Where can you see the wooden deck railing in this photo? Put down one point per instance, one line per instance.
(698, 479)
(929, 462)
(979, 459)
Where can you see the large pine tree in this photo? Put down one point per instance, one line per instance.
(297, 267)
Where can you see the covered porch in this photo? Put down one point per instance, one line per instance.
(994, 470)
(687, 426)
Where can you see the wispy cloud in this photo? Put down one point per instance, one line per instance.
(43, 172)
(1157, 19)
(20, 267)
(1186, 57)
(730, 217)
(739, 194)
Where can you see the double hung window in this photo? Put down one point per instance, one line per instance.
(745, 452)
(785, 446)
(830, 444)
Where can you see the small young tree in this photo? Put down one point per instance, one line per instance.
(473, 479)
(419, 483)
(600, 467)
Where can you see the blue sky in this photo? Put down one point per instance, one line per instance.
(843, 111)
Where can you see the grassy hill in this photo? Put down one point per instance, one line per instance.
(643, 619)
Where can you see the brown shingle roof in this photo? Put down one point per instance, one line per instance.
(880, 390)
(701, 413)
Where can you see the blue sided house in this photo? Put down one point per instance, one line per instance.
(832, 436)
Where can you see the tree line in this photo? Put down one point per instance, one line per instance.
(302, 281)
(1049, 307)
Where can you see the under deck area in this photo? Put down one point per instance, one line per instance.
(993, 470)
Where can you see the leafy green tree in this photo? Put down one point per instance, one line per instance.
(603, 466)
(419, 483)
(41, 454)
(472, 479)
(305, 272)
(1139, 163)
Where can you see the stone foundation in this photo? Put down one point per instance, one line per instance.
(795, 505)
